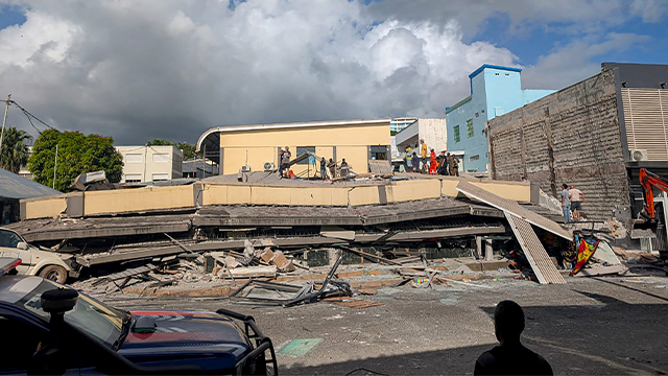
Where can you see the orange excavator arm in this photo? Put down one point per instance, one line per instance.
(650, 180)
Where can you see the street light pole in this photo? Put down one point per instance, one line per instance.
(4, 120)
(55, 165)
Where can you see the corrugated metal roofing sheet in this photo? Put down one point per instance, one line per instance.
(540, 261)
(512, 207)
(17, 187)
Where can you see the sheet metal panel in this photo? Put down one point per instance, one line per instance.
(16, 187)
(646, 116)
(512, 207)
(534, 251)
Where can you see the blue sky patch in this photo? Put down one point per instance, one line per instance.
(11, 15)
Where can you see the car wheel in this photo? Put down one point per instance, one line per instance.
(54, 273)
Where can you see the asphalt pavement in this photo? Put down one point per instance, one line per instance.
(606, 325)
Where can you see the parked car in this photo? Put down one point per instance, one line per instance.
(50, 328)
(46, 264)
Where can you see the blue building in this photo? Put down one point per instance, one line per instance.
(495, 90)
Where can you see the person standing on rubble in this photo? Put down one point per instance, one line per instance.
(423, 154)
(285, 159)
(454, 166)
(408, 154)
(415, 162)
(577, 198)
(566, 203)
(442, 164)
(449, 163)
(510, 357)
(280, 162)
(332, 167)
(433, 163)
(323, 168)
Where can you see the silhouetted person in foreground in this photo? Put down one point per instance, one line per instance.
(510, 357)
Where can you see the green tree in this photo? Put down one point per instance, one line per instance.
(77, 154)
(189, 151)
(14, 149)
(159, 142)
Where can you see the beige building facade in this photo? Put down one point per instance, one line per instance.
(258, 146)
(434, 132)
(150, 163)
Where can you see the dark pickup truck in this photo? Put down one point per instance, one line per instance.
(49, 328)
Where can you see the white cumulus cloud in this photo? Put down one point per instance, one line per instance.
(164, 68)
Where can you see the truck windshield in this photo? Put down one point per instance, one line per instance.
(89, 315)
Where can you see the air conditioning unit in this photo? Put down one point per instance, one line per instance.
(637, 155)
(245, 169)
(269, 166)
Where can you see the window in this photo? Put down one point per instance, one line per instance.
(9, 239)
(469, 128)
(160, 157)
(160, 177)
(378, 153)
(474, 158)
(456, 133)
(133, 158)
(302, 150)
(132, 178)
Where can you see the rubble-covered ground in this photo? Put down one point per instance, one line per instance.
(602, 325)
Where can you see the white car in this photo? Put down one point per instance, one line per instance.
(46, 264)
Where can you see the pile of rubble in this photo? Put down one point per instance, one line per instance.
(264, 275)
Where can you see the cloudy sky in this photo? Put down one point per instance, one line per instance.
(143, 69)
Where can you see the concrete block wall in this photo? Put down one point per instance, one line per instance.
(572, 136)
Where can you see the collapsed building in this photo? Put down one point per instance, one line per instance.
(439, 217)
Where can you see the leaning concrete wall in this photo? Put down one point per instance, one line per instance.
(572, 136)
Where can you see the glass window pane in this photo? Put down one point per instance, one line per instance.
(378, 153)
(302, 150)
(9, 239)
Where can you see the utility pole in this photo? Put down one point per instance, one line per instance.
(55, 165)
(4, 120)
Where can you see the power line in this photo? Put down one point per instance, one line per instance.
(29, 116)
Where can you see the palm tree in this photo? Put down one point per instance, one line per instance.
(14, 149)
